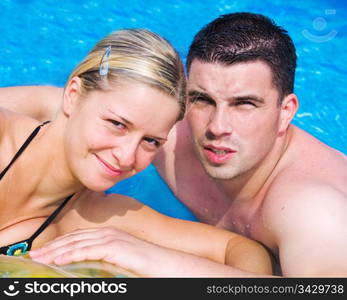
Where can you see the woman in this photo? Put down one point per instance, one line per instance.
(118, 107)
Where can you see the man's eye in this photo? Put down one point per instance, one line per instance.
(200, 100)
(245, 102)
(152, 142)
(119, 125)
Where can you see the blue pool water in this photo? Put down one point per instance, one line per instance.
(42, 40)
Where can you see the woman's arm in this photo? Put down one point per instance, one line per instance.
(136, 255)
(38, 102)
(151, 244)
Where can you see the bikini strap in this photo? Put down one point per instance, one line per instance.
(22, 148)
(48, 221)
(24, 246)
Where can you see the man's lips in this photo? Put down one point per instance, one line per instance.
(218, 155)
(109, 169)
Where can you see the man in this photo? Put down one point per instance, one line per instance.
(238, 163)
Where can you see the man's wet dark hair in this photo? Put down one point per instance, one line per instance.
(242, 37)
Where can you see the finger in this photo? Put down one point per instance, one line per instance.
(59, 242)
(49, 257)
(88, 252)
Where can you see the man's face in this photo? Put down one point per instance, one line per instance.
(234, 116)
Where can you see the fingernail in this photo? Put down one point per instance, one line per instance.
(33, 252)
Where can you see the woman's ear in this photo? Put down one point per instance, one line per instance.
(71, 95)
(289, 107)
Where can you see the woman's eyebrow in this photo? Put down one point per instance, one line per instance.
(157, 138)
(131, 124)
(122, 118)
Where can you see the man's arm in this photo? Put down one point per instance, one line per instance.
(310, 225)
(38, 102)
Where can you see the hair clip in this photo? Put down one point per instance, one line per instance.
(103, 70)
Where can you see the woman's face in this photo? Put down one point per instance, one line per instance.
(115, 134)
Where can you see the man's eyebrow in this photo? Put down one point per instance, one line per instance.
(195, 93)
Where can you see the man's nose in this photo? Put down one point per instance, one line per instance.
(219, 125)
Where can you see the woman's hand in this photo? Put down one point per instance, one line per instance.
(107, 244)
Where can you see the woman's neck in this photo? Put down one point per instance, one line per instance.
(51, 177)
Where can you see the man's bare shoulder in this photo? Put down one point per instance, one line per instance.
(308, 162)
(306, 221)
(313, 154)
(313, 176)
(303, 205)
(301, 194)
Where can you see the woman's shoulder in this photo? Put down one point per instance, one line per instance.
(97, 209)
(15, 125)
(39, 102)
(9, 117)
(108, 205)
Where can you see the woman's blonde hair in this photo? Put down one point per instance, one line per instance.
(135, 54)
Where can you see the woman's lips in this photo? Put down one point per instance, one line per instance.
(218, 155)
(108, 168)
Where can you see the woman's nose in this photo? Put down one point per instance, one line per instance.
(125, 155)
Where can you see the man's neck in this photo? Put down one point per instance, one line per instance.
(249, 188)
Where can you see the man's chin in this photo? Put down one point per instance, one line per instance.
(219, 172)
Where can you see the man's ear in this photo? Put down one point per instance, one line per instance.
(289, 107)
(71, 95)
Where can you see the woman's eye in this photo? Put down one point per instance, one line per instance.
(119, 125)
(152, 142)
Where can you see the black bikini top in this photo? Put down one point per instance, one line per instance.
(24, 246)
